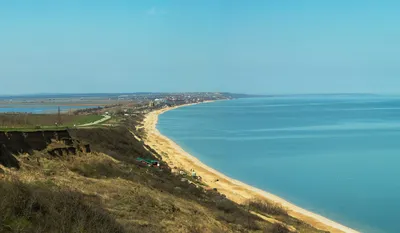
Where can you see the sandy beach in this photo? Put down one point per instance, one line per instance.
(235, 190)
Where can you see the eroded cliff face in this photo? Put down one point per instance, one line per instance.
(6, 158)
(14, 143)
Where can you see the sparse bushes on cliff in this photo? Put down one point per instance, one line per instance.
(37, 208)
(266, 207)
(141, 198)
(99, 170)
(279, 228)
(119, 143)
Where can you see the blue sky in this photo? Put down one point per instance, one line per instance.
(309, 46)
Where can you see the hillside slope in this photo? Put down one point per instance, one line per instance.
(105, 189)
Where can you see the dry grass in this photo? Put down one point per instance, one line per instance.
(108, 187)
(38, 208)
(173, 201)
(279, 228)
(266, 207)
(136, 207)
(282, 220)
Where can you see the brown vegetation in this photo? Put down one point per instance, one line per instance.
(265, 207)
(108, 191)
(38, 208)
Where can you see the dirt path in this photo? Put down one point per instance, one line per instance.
(105, 118)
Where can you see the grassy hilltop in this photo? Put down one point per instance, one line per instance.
(21, 121)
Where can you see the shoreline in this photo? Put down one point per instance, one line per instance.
(235, 190)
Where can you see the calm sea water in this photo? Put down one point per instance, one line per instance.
(39, 109)
(336, 156)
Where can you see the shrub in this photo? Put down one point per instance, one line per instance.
(279, 228)
(116, 142)
(37, 208)
(227, 206)
(99, 170)
(266, 207)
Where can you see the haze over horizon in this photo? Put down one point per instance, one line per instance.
(269, 47)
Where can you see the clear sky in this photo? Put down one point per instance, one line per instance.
(271, 46)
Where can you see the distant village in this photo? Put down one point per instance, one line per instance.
(139, 104)
(142, 103)
(107, 105)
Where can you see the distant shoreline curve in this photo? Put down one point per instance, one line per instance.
(235, 190)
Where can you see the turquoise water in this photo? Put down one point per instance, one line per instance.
(336, 156)
(39, 109)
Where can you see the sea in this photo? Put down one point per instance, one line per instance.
(334, 155)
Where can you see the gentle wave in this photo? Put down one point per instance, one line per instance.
(253, 138)
(364, 109)
(339, 127)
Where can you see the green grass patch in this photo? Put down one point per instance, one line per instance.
(32, 122)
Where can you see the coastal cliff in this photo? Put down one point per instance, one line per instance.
(17, 142)
(102, 181)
